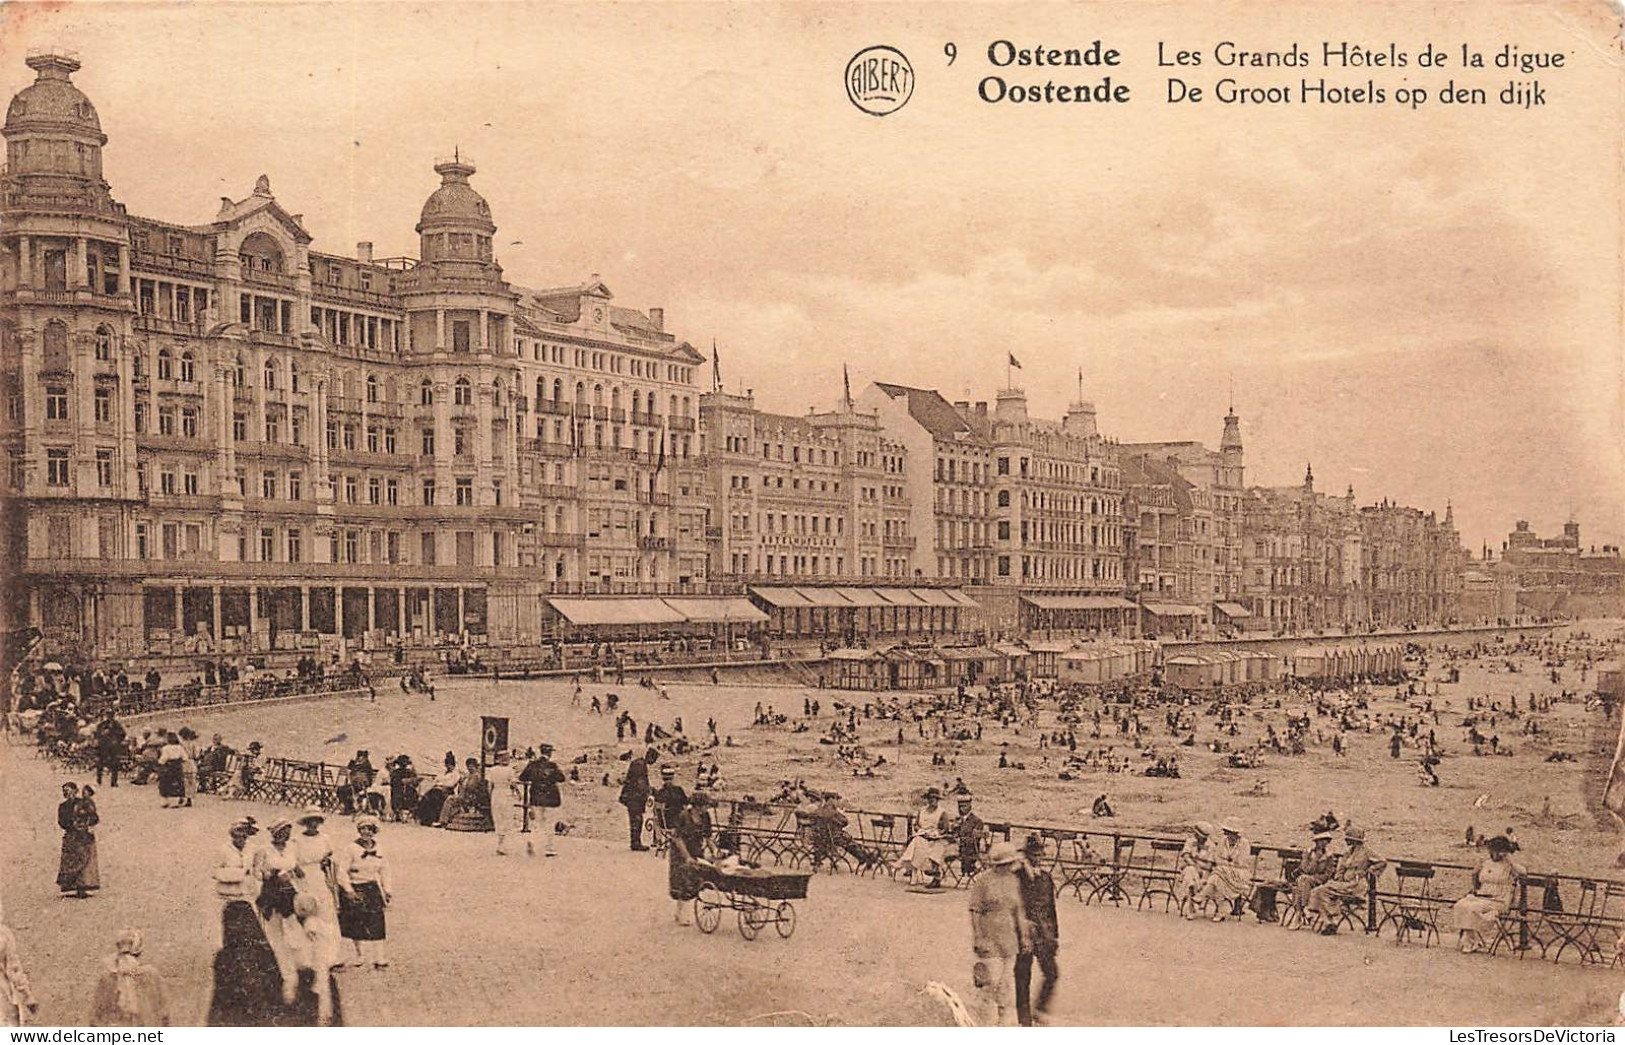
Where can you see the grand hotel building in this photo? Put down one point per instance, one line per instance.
(217, 430)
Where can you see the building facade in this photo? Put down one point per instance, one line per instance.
(217, 432)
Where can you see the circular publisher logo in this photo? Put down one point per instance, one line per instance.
(879, 80)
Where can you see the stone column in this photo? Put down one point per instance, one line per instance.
(76, 264)
(431, 620)
(253, 610)
(338, 610)
(124, 268)
(439, 330)
(214, 611)
(400, 614)
(372, 608)
(180, 609)
(304, 607)
(25, 262)
(462, 624)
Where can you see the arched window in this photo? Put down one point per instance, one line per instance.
(372, 388)
(239, 373)
(426, 393)
(672, 409)
(558, 391)
(270, 375)
(1004, 498)
(637, 402)
(541, 392)
(615, 398)
(188, 367)
(166, 365)
(685, 406)
(581, 393)
(462, 393)
(104, 344)
(293, 375)
(496, 391)
(597, 395)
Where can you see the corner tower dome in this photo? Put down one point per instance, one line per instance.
(52, 104)
(455, 205)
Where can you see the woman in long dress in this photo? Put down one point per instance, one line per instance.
(77, 871)
(923, 856)
(1232, 876)
(276, 865)
(317, 873)
(313, 941)
(189, 745)
(364, 893)
(689, 836)
(130, 992)
(1477, 915)
(172, 772)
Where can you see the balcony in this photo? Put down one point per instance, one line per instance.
(682, 424)
(197, 502)
(272, 451)
(71, 296)
(554, 490)
(899, 542)
(183, 443)
(713, 533)
(557, 407)
(617, 415)
(328, 293)
(660, 500)
(276, 280)
(641, 418)
(147, 260)
(561, 540)
(654, 544)
(152, 324)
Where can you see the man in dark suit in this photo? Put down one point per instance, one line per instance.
(635, 796)
(542, 779)
(110, 746)
(1043, 940)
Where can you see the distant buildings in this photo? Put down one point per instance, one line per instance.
(1545, 577)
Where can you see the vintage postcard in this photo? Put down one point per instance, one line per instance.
(812, 514)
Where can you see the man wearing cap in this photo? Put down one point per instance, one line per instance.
(541, 780)
(635, 796)
(1316, 868)
(999, 931)
(670, 799)
(505, 811)
(1044, 938)
(1348, 884)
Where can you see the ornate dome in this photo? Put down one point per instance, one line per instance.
(455, 203)
(52, 102)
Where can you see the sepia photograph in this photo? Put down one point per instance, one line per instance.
(781, 515)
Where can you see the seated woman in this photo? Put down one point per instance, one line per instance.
(1316, 868)
(469, 808)
(431, 808)
(1193, 865)
(1478, 913)
(923, 856)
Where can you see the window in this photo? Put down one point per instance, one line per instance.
(428, 442)
(189, 422)
(461, 335)
(268, 485)
(104, 468)
(372, 388)
(242, 482)
(57, 472)
(427, 548)
(140, 540)
(352, 550)
(465, 493)
(372, 439)
(389, 440)
(462, 393)
(428, 492)
(141, 418)
(166, 420)
(374, 491)
(165, 365)
(459, 442)
(188, 367)
(496, 492)
(295, 545)
(104, 344)
(1004, 469)
(293, 376)
(298, 430)
(56, 403)
(392, 491)
(426, 393)
(392, 542)
(273, 428)
(270, 375)
(239, 427)
(239, 374)
(189, 484)
(351, 488)
(267, 544)
(296, 485)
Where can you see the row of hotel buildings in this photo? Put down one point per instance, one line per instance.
(218, 430)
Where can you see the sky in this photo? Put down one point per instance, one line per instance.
(1425, 305)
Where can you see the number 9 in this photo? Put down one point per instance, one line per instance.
(951, 51)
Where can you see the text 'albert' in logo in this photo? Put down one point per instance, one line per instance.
(879, 80)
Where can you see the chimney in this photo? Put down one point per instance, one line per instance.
(981, 410)
(657, 316)
(963, 407)
(363, 252)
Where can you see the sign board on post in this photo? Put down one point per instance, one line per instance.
(493, 738)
